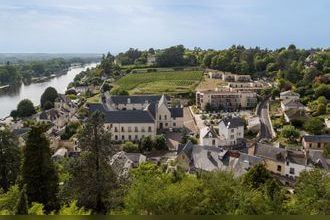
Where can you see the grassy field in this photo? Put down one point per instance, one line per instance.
(159, 82)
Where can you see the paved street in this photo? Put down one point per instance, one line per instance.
(265, 129)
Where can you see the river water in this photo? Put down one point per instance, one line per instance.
(10, 97)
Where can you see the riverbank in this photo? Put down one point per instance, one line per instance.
(14, 94)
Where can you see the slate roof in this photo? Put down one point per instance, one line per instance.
(292, 103)
(318, 159)
(134, 99)
(186, 149)
(176, 112)
(289, 93)
(296, 157)
(209, 158)
(317, 138)
(232, 122)
(269, 152)
(128, 116)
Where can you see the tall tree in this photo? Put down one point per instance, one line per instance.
(38, 171)
(92, 177)
(10, 159)
(47, 98)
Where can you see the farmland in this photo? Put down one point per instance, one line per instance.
(159, 82)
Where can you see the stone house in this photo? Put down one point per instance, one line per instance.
(315, 141)
(231, 131)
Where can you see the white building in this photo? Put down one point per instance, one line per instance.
(231, 131)
(134, 120)
(208, 137)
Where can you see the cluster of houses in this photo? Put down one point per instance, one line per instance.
(291, 107)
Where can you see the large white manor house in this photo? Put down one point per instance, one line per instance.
(134, 117)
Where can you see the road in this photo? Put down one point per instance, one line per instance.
(266, 127)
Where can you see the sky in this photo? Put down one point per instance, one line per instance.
(97, 26)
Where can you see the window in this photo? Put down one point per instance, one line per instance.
(122, 129)
(136, 137)
(165, 117)
(116, 137)
(116, 129)
(149, 128)
(279, 168)
(123, 137)
(129, 137)
(231, 136)
(291, 170)
(232, 130)
(136, 129)
(166, 124)
(142, 129)
(160, 117)
(213, 142)
(174, 124)
(129, 129)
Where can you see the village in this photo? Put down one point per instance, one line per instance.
(228, 128)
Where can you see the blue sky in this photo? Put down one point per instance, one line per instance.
(100, 25)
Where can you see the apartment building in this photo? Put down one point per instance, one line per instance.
(226, 100)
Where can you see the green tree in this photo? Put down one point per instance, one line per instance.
(160, 142)
(38, 171)
(314, 125)
(22, 203)
(312, 193)
(290, 132)
(146, 144)
(25, 108)
(49, 96)
(73, 209)
(92, 176)
(10, 159)
(257, 176)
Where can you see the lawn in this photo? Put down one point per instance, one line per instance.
(159, 82)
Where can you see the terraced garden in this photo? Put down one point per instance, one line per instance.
(159, 82)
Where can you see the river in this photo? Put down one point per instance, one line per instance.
(10, 97)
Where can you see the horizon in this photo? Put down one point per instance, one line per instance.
(73, 26)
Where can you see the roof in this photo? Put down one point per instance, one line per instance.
(134, 99)
(292, 103)
(294, 114)
(317, 138)
(296, 157)
(186, 149)
(243, 163)
(269, 152)
(125, 116)
(204, 132)
(176, 112)
(318, 159)
(209, 158)
(232, 122)
(289, 93)
(162, 100)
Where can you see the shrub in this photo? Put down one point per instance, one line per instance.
(25, 108)
(130, 147)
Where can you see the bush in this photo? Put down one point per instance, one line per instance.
(70, 129)
(48, 105)
(25, 108)
(290, 132)
(130, 147)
